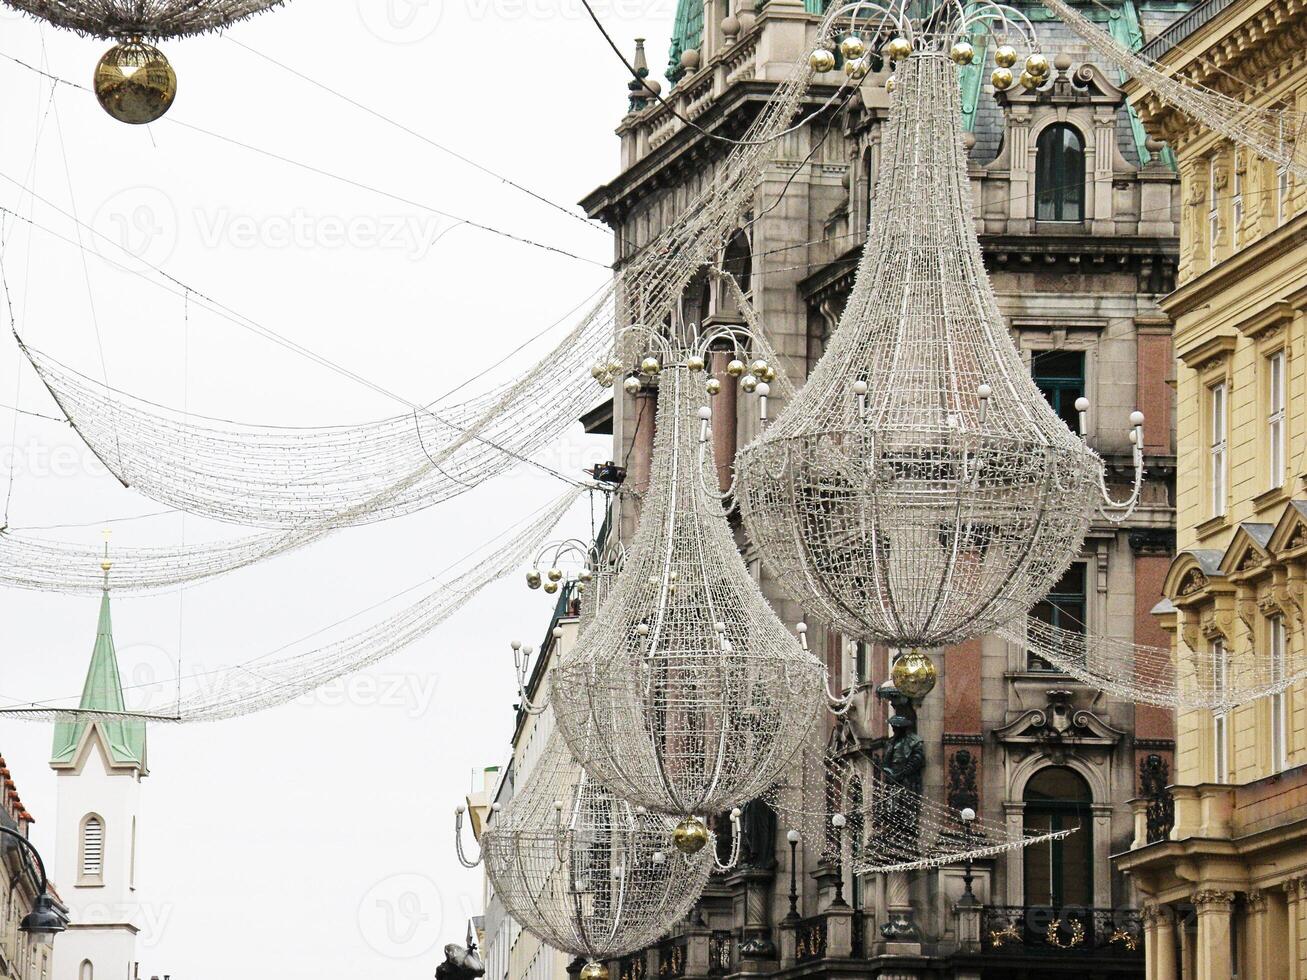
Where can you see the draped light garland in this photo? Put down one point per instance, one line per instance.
(585, 871)
(1278, 135)
(878, 827)
(919, 490)
(686, 694)
(142, 18)
(268, 682)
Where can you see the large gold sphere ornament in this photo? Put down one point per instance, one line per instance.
(852, 47)
(1029, 81)
(551, 588)
(821, 60)
(899, 48)
(749, 383)
(695, 363)
(1037, 65)
(594, 971)
(962, 53)
(134, 82)
(1005, 56)
(1002, 78)
(631, 385)
(914, 674)
(690, 835)
(650, 366)
(533, 579)
(856, 69)
(714, 386)
(890, 83)
(735, 368)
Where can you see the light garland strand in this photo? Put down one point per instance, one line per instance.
(142, 18)
(257, 685)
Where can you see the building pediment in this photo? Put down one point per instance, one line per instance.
(1247, 554)
(1191, 574)
(1289, 538)
(1059, 721)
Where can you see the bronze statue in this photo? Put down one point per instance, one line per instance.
(460, 963)
(901, 767)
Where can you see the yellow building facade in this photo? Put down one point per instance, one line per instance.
(1220, 859)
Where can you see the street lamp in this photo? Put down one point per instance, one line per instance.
(968, 818)
(838, 821)
(44, 919)
(793, 838)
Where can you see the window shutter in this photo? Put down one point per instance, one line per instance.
(92, 848)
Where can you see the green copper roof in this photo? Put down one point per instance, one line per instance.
(103, 691)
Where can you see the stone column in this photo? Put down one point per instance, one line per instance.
(1104, 147)
(1159, 942)
(1260, 940)
(646, 405)
(725, 421)
(1293, 898)
(1214, 909)
(1102, 845)
(1016, 868)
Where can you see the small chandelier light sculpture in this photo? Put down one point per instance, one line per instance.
(133, 81)
(583, 871)
(919, 490)
(686, 695)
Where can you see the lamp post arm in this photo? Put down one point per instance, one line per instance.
(30, 849)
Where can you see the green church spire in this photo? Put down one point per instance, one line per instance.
(103, 691)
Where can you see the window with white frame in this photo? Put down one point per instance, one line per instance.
(1219, 453)
(1213, 211)
(1281, 195)
(92, 848)
(1275, 417)
(1279, 705)
(1236, 200)
(1220, 717)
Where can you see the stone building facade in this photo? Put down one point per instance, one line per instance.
(1078, 215)
(1223, 872)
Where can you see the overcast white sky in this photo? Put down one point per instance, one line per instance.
(315, 840)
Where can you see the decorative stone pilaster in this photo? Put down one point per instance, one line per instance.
(839, 932)
(1159, 942)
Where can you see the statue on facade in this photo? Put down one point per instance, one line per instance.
(901, 767)
(758, 836)
(461, 963)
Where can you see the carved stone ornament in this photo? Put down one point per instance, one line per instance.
(1194, 581)
(1214, 900)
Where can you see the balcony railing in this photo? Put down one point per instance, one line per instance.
(810, 939)
(721, 945)
(671, 960)
(1040, 930)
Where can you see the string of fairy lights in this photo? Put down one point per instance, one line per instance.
(916, 491)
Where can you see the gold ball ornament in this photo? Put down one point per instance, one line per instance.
(714, 386)
(821, 60)
(694, 363)
(551, 587)
(631, 385)
(899, 48)
(594, 971)
(758, 367)
(1002, 78)
(890, 84)
(1005, 56)
(533, 579)
(914, 674)
(690, 836)
(735, 368)
(1029, 81)
(856, 69)
(749, 383)
(768, 374)
(134, 82)
(555, 574)
(650, 366)
(962, 53)
(853, 47)
(1037, 65)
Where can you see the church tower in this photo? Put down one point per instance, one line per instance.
(100, 763)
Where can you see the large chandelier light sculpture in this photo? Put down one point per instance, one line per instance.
(686, 695)
(919, 490)
(583, 870)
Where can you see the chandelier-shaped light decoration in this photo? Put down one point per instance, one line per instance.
(919, 490)
(584, 871)
(686, 695)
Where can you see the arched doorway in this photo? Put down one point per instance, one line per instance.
(1059, 873)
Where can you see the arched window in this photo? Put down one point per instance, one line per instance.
(1059, 873)
(86, 971)
(1060, 174)
(91, 850)
(738, 260)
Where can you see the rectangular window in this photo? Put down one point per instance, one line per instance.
(1219, 449)
(1279, 705)
(1213, 212)
(1060, 375)
(1281, 195)
(1063, 608)
(1220, 722)
(1236, 202)
(1275, 417)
